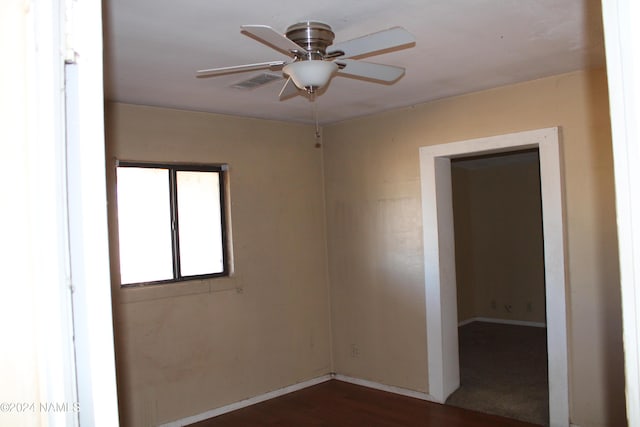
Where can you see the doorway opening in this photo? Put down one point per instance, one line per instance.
(439, 260)
(499, 261)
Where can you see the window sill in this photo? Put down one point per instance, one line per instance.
(127, 295)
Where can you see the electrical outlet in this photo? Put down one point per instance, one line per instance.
(355, 351)
(529, 307)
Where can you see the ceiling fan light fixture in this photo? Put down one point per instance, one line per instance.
(310, 75)
(313, 65)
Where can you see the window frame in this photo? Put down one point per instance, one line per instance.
(173, 169)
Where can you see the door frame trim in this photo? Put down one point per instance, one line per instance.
(439, 259)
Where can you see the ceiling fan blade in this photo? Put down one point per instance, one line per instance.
(273, 65)
(374, 43)
(289, 90)
(272, 38)
(369, 70)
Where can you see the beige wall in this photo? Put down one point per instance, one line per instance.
(462, 214)
(498, 239)
(187, 348)
(374, 232)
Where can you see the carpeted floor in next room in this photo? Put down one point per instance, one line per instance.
(503, 371)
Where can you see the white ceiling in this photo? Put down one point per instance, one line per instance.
(154, 47)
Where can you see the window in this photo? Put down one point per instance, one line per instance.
(171, 222)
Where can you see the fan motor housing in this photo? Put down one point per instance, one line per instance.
(312, 36)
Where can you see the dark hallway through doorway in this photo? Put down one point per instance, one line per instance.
(500, 285)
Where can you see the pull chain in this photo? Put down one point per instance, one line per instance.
(315, 117)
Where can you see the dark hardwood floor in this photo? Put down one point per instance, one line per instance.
(340, 404)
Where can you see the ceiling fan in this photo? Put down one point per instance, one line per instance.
(316, 59)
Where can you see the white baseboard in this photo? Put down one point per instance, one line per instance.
(384, 387)
(295, 387)
(247, 402)
(503, 321)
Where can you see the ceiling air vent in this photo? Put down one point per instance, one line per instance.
(254, 82)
